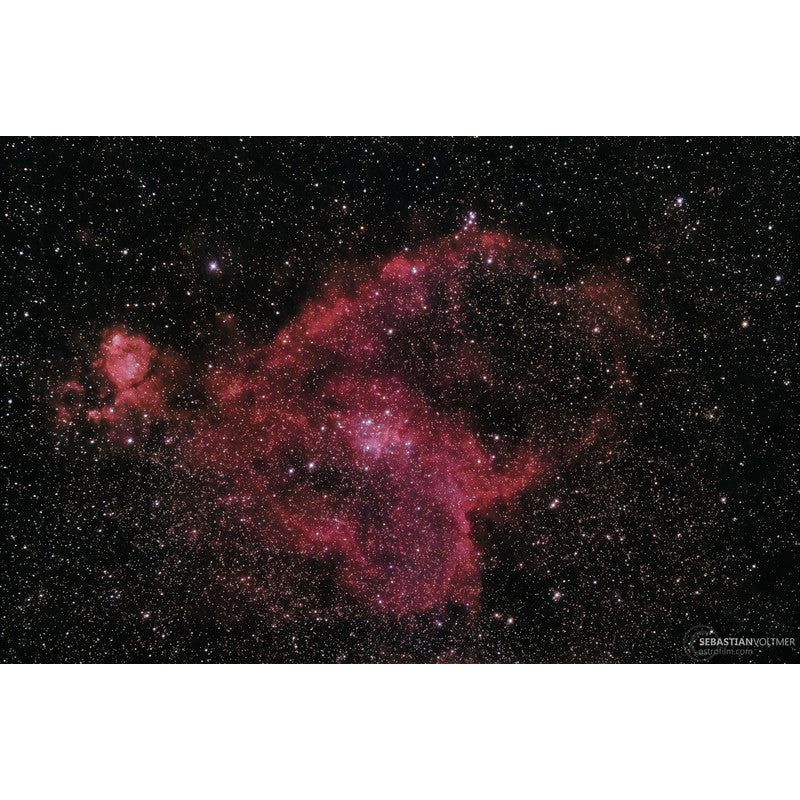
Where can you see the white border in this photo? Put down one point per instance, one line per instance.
(420, 67)
(397, 732)
(496, 67)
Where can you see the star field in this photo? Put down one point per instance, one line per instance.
(415, 400)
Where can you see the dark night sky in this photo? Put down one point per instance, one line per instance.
(685, 514)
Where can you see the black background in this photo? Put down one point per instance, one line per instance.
(101, 232)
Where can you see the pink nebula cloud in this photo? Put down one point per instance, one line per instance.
(351, 436)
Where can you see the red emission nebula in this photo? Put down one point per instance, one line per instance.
(363, 431)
